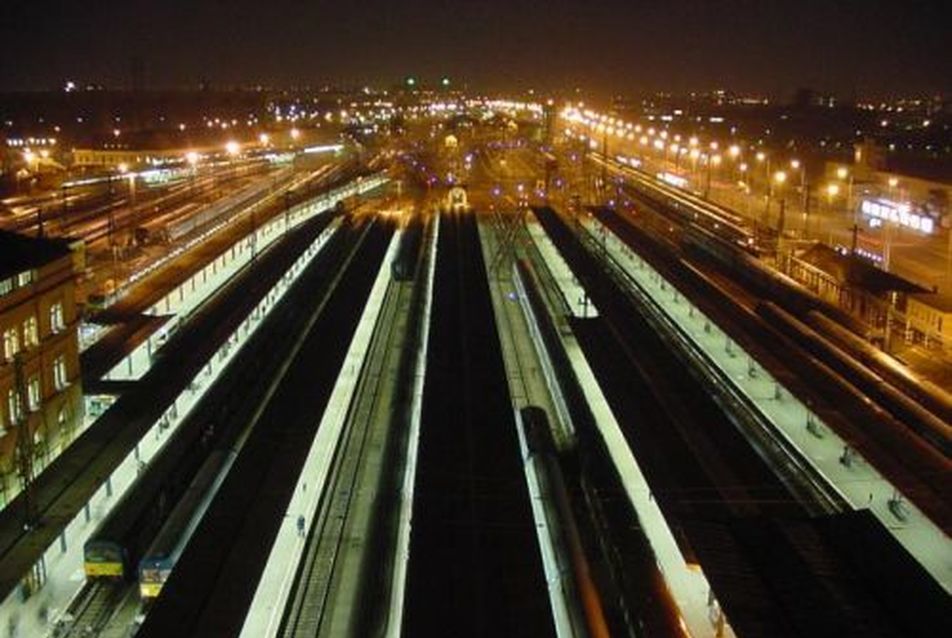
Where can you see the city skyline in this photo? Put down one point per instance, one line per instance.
(850, 49)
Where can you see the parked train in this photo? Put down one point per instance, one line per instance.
(162, 555)
(767, 282)
(541, 445)
(114, 549)
(924, 423)
(407, 258)
(931, 396)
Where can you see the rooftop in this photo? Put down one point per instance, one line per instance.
(19, 252)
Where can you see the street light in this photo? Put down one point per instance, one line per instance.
(712, 161)
(232, 147)
(844, 174)
(780, 177)
(264, 138)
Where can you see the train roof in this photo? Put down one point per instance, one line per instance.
(858, 271)
(842, 574)
(177, 529)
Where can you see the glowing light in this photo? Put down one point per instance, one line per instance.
(232, 147)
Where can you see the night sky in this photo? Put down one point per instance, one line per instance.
(849, 47)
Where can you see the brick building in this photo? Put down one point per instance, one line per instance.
(40, 389)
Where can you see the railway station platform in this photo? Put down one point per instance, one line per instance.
(78, 489)
(855, 479)
(158, 303)
(275, 586)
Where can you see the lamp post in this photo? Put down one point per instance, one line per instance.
(780, 178)
(712, 162)
(832, 190)
(192, 158)
(124, 170)
(763, 158)
(796, 165)
(233, 148)
(734, 152)
(845, 175)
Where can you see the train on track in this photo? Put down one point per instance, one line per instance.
(162, 555)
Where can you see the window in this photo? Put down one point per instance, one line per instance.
(31, 335)
(6, 286)
(11, 343)
(24, 278)
(14, 406)
(34, 395)
(60, 378)
(56, 317)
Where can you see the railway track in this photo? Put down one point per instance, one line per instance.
(313, 586)
(729, 510)
(474, 559)
(91, 610)
(210, 591)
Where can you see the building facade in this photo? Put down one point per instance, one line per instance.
(40, 390)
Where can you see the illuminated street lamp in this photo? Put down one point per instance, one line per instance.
(796, 165)
(264, 139)
(232, 148)
(780, 178)
(713, 161)
(295, 134)
(844, 174)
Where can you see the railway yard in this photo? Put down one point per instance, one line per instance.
(344, 401)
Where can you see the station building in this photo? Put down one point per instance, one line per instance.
(41, 399)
